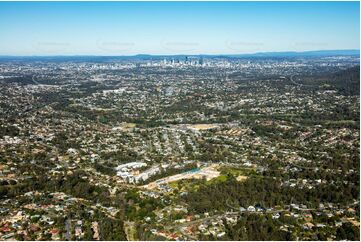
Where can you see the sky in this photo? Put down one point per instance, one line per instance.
(128, 28)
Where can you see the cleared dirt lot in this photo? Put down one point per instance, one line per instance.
(208, 173)
(202, 126)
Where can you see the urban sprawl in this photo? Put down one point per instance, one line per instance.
(180, 148)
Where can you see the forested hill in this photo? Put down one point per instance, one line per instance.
(348, 81)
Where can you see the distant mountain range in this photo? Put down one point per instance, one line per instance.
(286, 54)
(303, 53)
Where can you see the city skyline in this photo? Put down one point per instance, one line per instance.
(168, 28)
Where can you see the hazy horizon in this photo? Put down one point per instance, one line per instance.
(184, 54)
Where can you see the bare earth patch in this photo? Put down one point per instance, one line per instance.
(241, 178)
(208, 173)
(202, 126)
